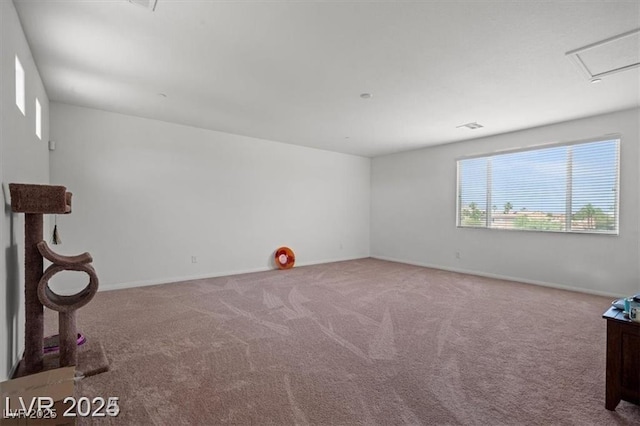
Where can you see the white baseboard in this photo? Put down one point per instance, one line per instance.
(503, 277)
(340, 259)
(133, 284)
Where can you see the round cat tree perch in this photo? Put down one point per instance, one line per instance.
(35, 201)
(66, 306)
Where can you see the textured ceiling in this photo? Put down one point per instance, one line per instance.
(293, 71)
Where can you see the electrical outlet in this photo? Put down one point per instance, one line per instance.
(194, 259)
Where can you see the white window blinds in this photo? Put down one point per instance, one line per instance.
(562, 188)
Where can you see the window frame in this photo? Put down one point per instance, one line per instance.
(20, 80)
(608, 137)
(38, 118)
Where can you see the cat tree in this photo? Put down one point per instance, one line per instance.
(35, 201)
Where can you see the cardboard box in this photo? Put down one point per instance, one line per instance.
(37, 399)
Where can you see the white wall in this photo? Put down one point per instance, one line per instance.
(23, 158)
(413, 212)
(148, 195)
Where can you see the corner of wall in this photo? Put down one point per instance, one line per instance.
(23, 158)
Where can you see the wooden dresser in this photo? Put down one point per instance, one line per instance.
(623, 359)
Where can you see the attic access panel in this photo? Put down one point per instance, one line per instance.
(609, 56)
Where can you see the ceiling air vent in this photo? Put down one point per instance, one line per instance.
(606, 57)
(147, 4)
(471, 126)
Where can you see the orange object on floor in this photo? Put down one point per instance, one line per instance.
(285, 258)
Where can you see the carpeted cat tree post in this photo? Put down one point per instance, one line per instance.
(35, 201)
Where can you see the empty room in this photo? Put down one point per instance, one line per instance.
(320, 212)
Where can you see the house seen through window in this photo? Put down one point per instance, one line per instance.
(562, 188)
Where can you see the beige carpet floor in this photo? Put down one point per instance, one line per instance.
(360, 342)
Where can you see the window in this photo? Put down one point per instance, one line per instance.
(560, 188)
(19, 86)
(38, 119)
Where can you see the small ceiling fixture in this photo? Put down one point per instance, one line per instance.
(366, 95)
(147, 4)
(596, 80)
(163, 95)
(471, 126)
